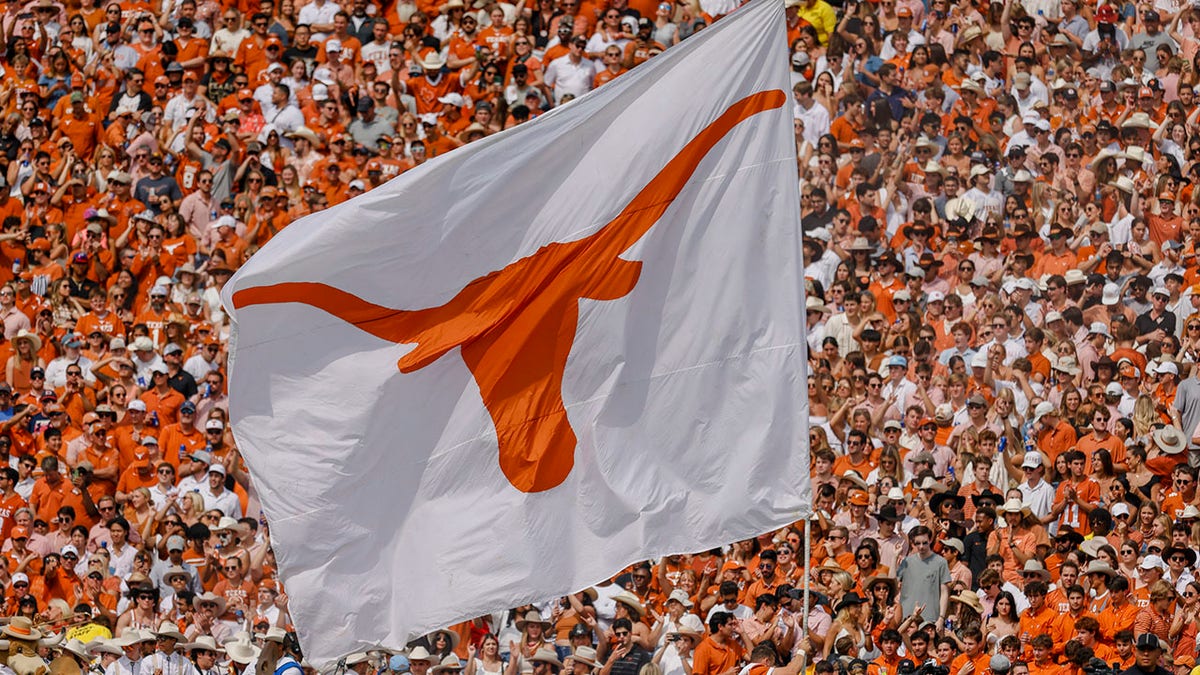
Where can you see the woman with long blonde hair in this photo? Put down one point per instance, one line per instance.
(849, 621)
(1145, 415)
(23, 360)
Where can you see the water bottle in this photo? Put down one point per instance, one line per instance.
(16, 267)
(1003, 444)
(154, 419)
(207, 390)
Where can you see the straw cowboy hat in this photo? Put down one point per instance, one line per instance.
(21, 628)
(305, 133)
(856, 478)
(1092, 547)
(586, 656)
(451, 637)
(1170, 440)
(473, 128)
(1015, 505)
(1100, 567)
(1035, 567)
(449, 663)
(227, 524)
(35, 342)
(890, 581)
(970, 599)
(1106, 154)
(532, 616)
(544, 655)
(631, 603)
(209, 597)
(277, 634)
(433, 61)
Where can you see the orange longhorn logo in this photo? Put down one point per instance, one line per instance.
(515, 326)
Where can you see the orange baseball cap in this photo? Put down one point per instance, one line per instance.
(244, 94)
(19, 533)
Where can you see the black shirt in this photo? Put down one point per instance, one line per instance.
(632, 662)
(1134, 670)
(975, 554)
(82, 289)
(1145, 324)
(183, 382)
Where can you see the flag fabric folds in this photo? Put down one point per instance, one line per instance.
(506, 374)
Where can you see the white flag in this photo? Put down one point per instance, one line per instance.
(505, 375)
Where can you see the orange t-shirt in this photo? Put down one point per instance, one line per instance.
(712, 659)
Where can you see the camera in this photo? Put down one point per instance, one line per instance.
(1097, 666)
(930, 667)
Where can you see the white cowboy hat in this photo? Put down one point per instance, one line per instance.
(679, 595)
(169, 630)
(203, 642)
(103, 646)
(227, 524)
(419, 653)
(133, 637)
(275, 634)
(77, 648)
(433, 61)
(242, 652)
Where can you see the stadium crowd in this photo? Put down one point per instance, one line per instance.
(1000, 225)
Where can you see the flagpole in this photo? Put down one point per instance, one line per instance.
(807, 574)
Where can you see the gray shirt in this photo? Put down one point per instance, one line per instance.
(1187, 402)
(222, 187)
(921, 582)
(368, 133)
(1149, 43)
